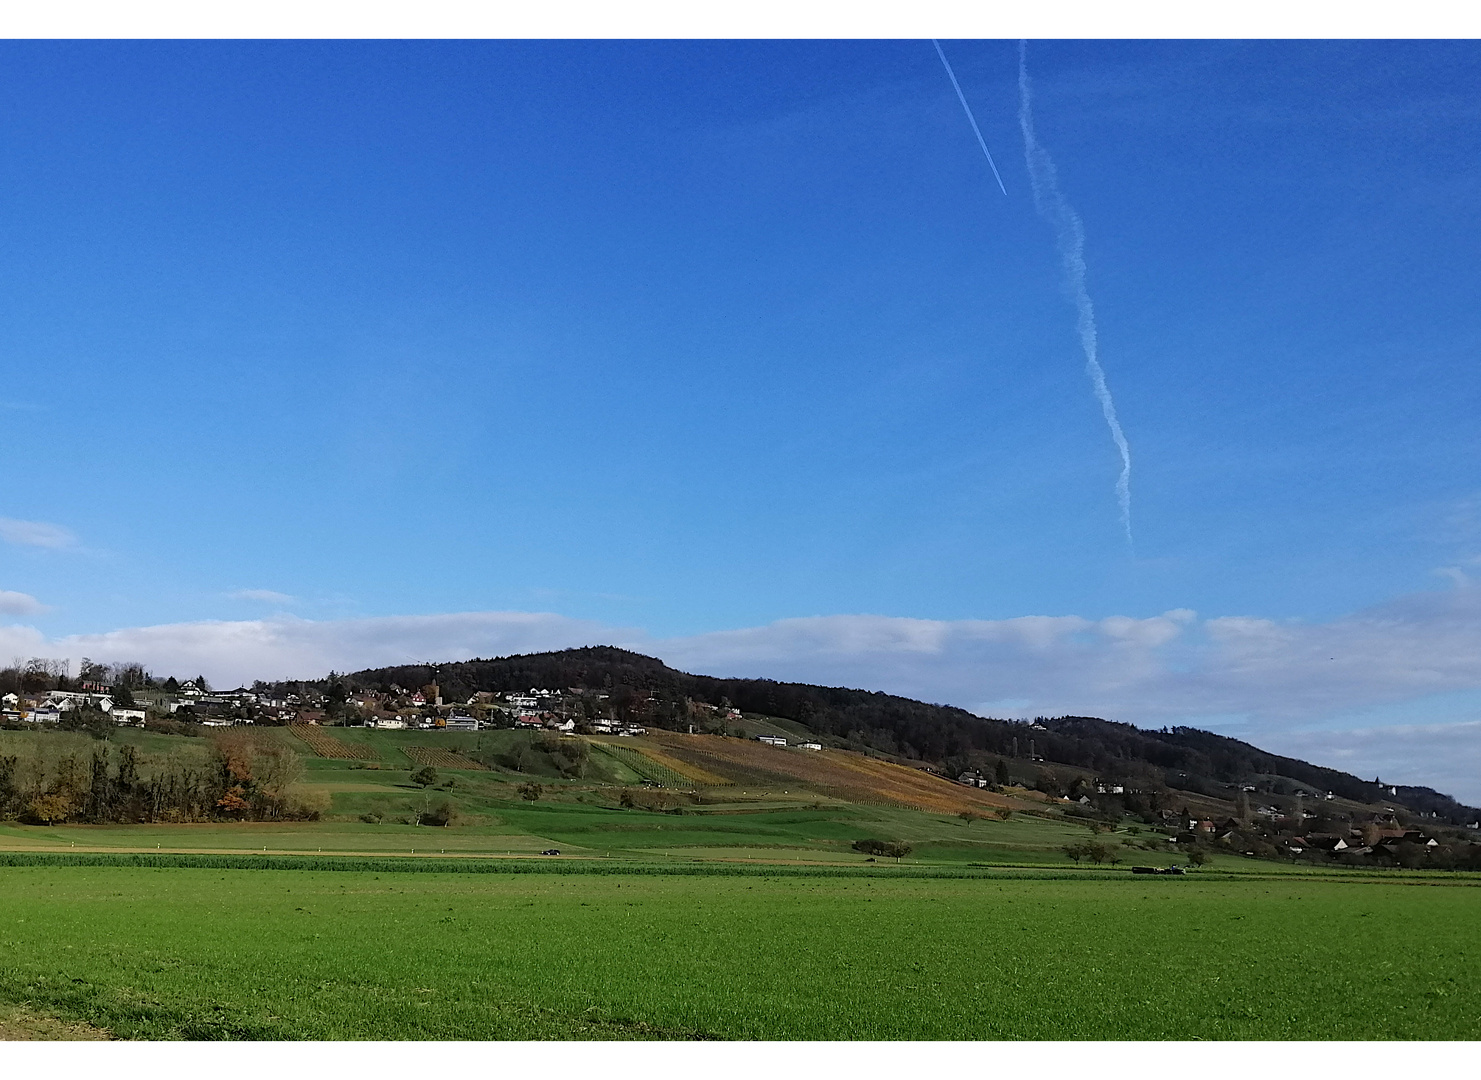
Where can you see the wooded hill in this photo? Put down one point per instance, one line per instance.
(950, 739)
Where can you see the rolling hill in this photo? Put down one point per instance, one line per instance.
(1045, 753)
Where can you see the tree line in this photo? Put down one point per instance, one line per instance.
(239, 778)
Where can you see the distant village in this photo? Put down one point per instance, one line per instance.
(41, 692)
(1309, 826)
(398, 708)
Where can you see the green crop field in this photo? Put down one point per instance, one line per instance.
(738, 910)
(279, 954)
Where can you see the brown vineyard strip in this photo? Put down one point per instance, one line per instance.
(683, 770)
(440, 758)
(326, 745)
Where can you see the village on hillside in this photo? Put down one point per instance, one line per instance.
(40, 691)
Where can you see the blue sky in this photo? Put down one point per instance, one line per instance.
(662, 341)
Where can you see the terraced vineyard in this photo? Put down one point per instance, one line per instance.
(695, 774)
(440, 758)
(645, 766)
(326, 745)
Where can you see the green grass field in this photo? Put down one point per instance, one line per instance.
(268, 954)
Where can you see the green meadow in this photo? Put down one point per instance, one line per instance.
(751, 953)
(737, 911)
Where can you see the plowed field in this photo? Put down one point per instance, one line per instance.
(439, 758)
(326, 745)
(834, 772)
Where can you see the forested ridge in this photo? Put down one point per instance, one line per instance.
(944, 736)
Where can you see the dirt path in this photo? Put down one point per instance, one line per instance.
(20, 1024)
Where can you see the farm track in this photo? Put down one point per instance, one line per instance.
(440, 758)
(841, 773)
(326, 745)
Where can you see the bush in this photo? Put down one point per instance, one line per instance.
(648, 799)
(445, 812)
(892, 849)
(307, 805)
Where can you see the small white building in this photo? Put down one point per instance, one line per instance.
(811, 746)
(123, 715)
(772, 740)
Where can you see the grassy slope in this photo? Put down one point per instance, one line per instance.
(272, 954)
(781, 804)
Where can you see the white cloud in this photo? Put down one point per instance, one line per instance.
(19, 603)
(263, 596)
(1446, 757)
(1273, 682)
(288, 647)
(35, 534)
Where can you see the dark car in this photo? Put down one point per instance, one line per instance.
(551, 851)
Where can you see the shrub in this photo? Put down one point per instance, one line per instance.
(446, 812)
(307, 804)
(892, 849)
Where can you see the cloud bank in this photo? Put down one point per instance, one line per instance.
(1289, 686)
(19, 603)
(262, 596)
(40, 534)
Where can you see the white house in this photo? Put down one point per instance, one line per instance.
(395, 723)
(811, 746)
(123, 715)
(772, 740)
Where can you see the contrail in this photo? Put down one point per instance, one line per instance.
(1070, 232)
(968, 110)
